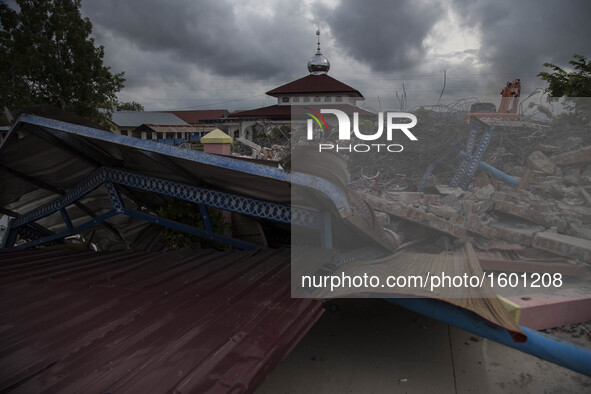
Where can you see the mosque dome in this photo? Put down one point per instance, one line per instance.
(318, 64)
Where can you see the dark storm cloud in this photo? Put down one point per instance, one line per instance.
(212, 35)
(386, 35)
(519, 36)
(225, 50)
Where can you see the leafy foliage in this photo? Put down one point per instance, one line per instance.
(574, 86)
(187, 213)
(129, 106)
(49, 58)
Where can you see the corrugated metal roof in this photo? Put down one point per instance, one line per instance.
(198, 321)
(179, 129)
(198, 116)
(43, 158)
(287, 111)
(138, 118)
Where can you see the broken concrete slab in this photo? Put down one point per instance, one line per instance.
(523, 211)
(409, 197)
(442, 211)
(415, 215)
(524, 236)
(563, 245)
(573, 157)
(484, 192)
(539, 161)
(502, 196)
(250, 144)
(475, 225)
(445, 190)
(404, 196)
(571, 180)
(469, 209)
(578, 231)
(542, 311)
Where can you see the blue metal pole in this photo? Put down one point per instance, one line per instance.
(546, 347)
(326, 230)
(494, 172)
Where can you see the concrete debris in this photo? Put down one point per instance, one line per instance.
(582, 155)
(550, 211)
(455, 191)
(514, 170)
(275, 152)
(484, 192)
(539, 161)
(256, 149)
(549, 148)
(563, 245)
(586, 175)
(382, 218)
(442, 211)
(482, 179)
(586, 196)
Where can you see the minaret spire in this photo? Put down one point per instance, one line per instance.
(318, 64)
(318, 34)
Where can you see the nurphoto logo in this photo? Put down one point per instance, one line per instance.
(394, 121)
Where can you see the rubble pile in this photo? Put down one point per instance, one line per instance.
(508, 151)
(274, 153)
(550, 210)
(269, 143)
(403, 171)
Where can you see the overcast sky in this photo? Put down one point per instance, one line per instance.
(206, 54)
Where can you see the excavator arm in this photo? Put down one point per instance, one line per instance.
(510, 97)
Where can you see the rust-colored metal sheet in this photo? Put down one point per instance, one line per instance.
(144, 322)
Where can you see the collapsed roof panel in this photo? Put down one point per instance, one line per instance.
(165, 323)
(43, 158)
(138, 118)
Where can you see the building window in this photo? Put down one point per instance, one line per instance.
(328, 99)
(338, 99)
(296, 99)
(285, 99)
(317, 99)
(306, 99)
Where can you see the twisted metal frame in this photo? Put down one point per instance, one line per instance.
(112, 177)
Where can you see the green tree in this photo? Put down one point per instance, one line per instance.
(129, 106)
(49, 58)
(574, 86)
